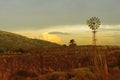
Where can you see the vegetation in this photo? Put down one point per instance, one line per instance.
(72, 43)
(22, 75)
(59, 63)
(22, 58)
(18, 43)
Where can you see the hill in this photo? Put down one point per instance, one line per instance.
(14, 42)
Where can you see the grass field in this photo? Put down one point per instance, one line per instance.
(62, 63)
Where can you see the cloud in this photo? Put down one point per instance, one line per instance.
(51, 38)
(59, 33)
(107, 34)
(110, 28)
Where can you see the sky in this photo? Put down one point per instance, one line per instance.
(61, 20)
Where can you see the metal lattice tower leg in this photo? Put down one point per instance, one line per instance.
(94, 38)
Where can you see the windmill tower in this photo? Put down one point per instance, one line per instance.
(98, 60)
(94, 23)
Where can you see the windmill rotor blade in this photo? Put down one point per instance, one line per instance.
(94, 23)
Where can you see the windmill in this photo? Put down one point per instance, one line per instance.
(94, 23)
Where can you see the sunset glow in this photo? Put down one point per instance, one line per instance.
(61, 20)
(107, 34)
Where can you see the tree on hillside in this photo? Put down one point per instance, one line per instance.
(72, 42)
(64, 45)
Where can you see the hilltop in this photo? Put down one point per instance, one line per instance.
(14, 42)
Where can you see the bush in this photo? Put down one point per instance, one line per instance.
(52, 77)
(22, 75)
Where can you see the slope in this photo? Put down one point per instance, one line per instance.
(10, 42)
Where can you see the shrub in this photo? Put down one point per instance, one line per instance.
(52, 77)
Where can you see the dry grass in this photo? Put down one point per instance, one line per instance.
(64, 59)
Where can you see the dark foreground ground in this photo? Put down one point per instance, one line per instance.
(62, 63)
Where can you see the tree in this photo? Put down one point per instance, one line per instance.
(72, 42)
